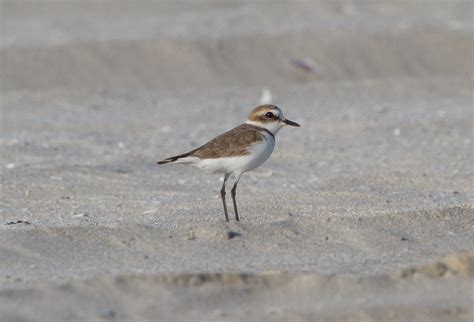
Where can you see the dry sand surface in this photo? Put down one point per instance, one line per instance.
(365, 213)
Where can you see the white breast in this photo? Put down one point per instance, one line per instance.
(260, 152)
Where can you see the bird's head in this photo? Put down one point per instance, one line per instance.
(269, 117)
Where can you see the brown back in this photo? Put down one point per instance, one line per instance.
(232, 143)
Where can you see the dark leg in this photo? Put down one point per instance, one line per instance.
(234, 188)
(226, 176)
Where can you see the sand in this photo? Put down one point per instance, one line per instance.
(365, 213)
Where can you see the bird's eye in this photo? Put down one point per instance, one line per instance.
(269, 115)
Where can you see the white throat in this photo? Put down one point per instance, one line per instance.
(273, 127)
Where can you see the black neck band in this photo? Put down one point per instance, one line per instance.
(273, 136)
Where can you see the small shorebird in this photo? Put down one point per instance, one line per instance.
(239, 150)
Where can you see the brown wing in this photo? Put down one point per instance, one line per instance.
(233, 143)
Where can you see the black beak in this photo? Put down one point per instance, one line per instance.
(288, 122)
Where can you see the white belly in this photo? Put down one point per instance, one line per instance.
(260, 152)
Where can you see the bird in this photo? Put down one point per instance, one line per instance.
(239, 150)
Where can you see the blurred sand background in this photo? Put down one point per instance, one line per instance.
(362, 214)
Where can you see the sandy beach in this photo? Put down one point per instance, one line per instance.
(365, 213)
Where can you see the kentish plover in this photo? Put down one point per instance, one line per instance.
(239, 150)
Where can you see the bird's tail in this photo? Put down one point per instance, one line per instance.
(168, 160)
(175, 158)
